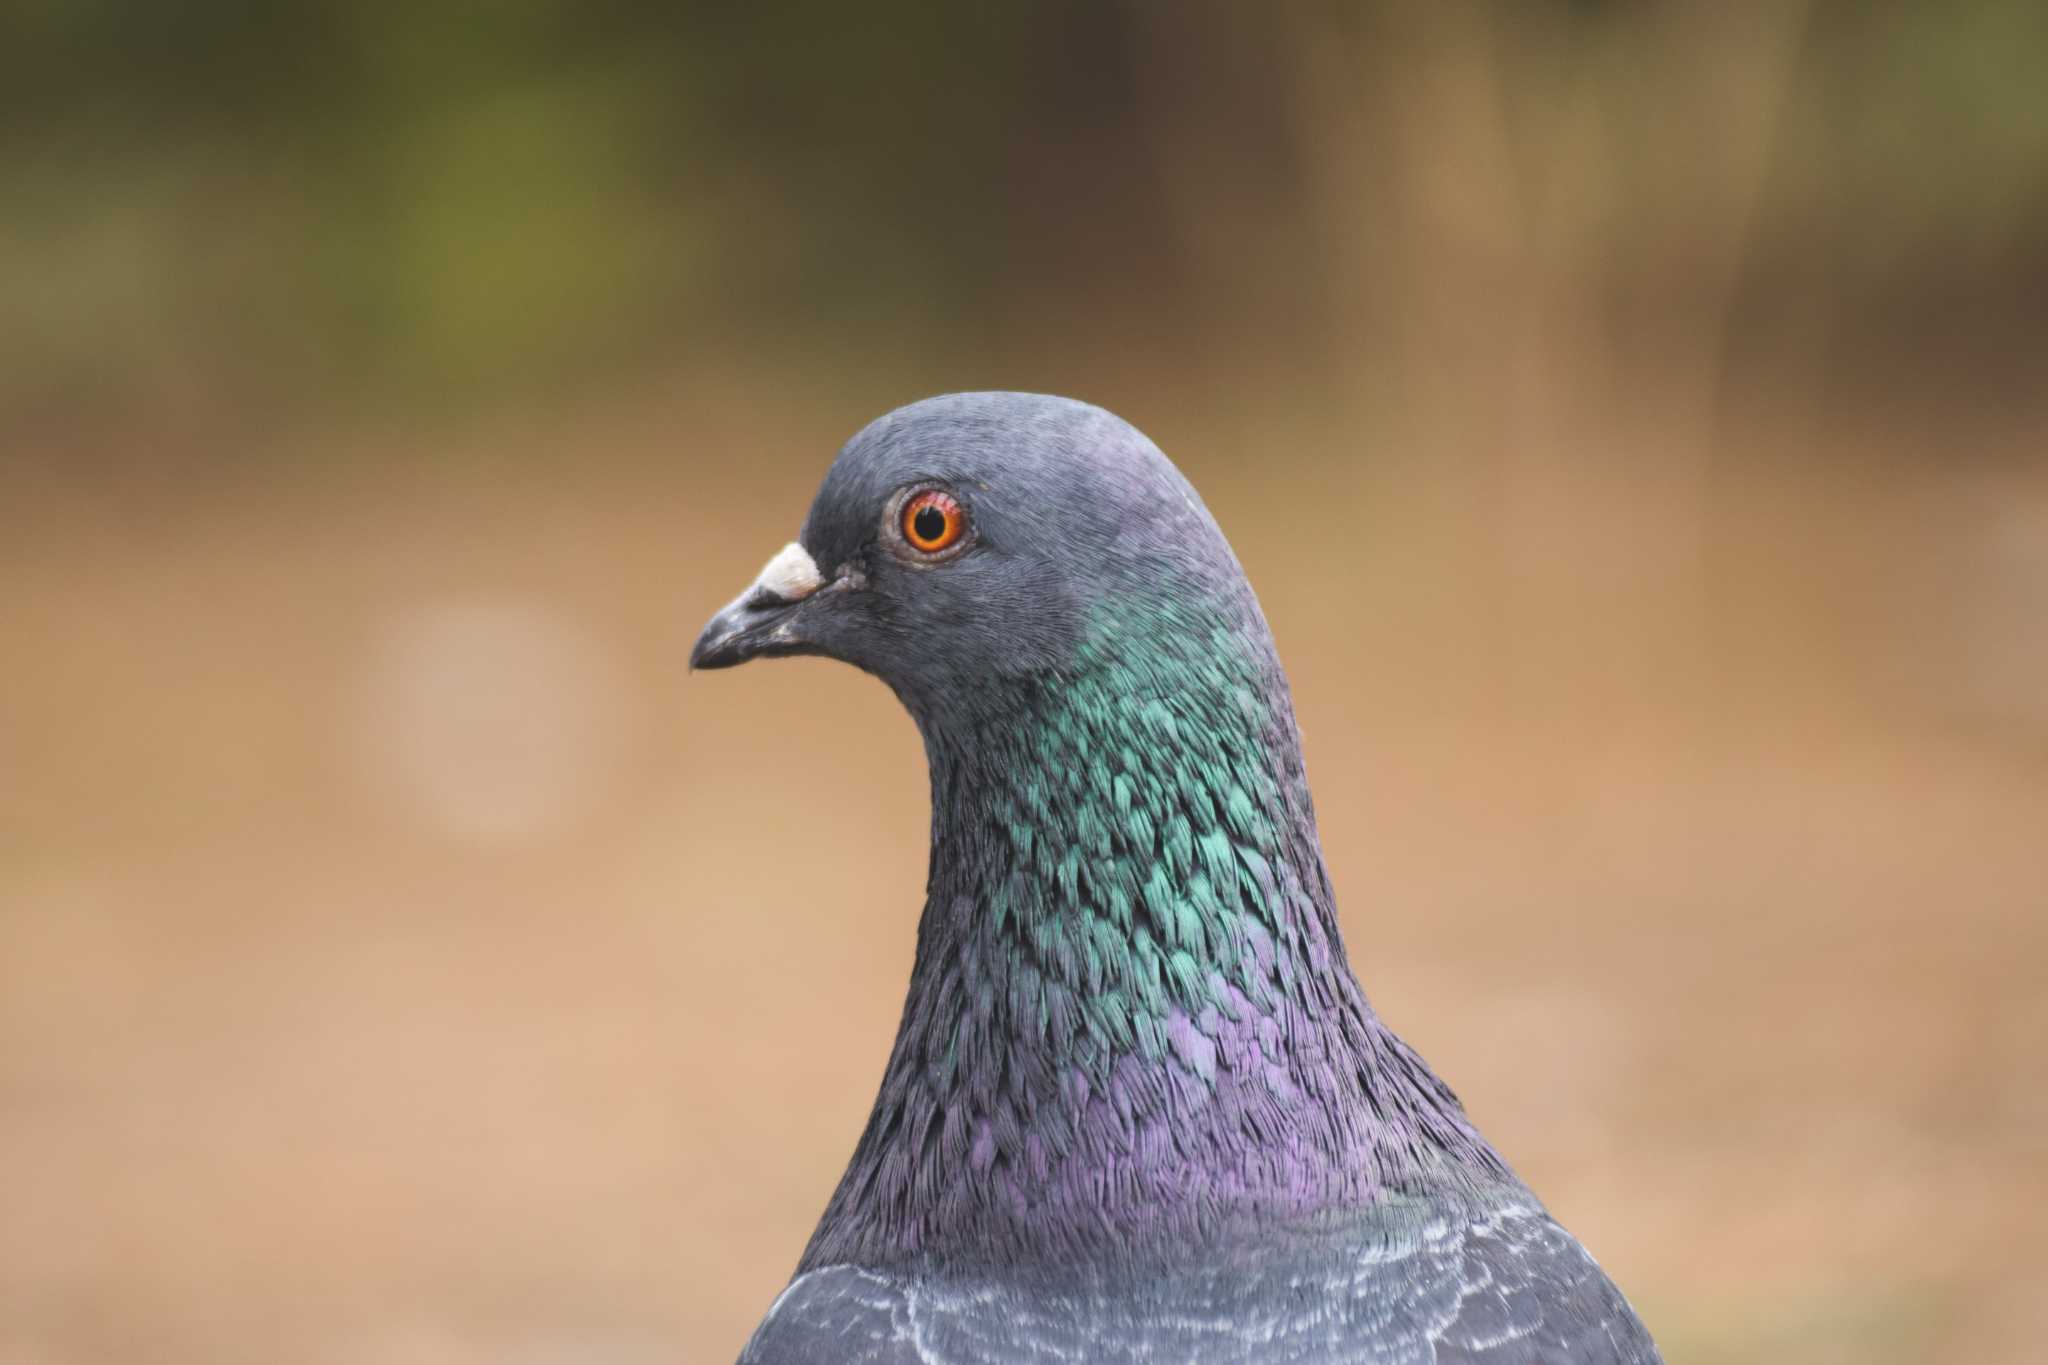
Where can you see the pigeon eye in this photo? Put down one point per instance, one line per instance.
(933, 521)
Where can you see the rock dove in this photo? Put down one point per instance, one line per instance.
(1138, 1108)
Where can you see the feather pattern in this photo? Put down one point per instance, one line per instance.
(1138, 1107)
(1407, 1284)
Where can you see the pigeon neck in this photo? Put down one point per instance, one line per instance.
(1130, 1020)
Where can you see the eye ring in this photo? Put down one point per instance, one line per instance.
(932, 522)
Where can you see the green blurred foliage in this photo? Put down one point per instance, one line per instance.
(465, 195)
(258, 205)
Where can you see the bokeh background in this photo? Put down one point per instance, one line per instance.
(1632, 415)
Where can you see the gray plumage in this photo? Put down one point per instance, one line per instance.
(1422, 1280)
(1138, 1108)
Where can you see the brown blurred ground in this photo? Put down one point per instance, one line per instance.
(402, 960)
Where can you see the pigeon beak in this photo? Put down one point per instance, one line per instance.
(759, 621)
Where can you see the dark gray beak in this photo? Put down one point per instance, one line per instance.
(760, 621)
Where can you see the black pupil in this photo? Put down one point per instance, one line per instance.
(929, 523)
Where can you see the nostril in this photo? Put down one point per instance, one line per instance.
(790, 576)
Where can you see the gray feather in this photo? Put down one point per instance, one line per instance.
(1139, 1108)
(1404, 1285)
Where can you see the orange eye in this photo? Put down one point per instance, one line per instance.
(933, 521)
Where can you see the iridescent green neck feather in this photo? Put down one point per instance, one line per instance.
(1131, 1022)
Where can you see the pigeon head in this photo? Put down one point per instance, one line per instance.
(1130, 1015)
(967, 547)
(1131, 1044)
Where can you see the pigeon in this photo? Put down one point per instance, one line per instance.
(1138, 1108)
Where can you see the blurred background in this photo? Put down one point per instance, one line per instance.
(403, 962)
